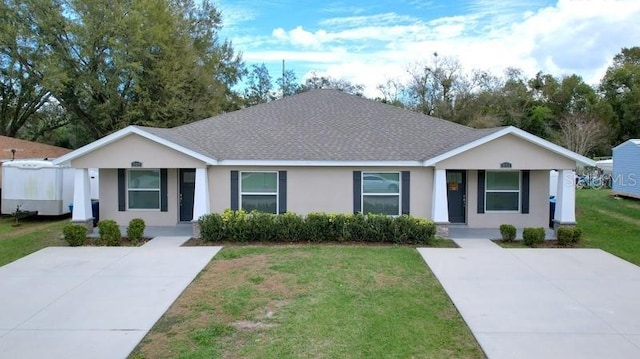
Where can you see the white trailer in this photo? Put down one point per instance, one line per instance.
(36, 186)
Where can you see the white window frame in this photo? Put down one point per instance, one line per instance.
(145, 190)
(399, 194)
(276, 193)
(487, 190)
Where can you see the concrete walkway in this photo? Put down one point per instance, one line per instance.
(92, 302)
(542, 303)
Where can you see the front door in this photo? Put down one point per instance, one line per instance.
(457, 196)
(187, 192)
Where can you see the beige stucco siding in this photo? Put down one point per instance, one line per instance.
(121, 153)
(109, 201)
(321, 189)
(522, 155)
(538, 215)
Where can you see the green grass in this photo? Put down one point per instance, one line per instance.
(611, 224)
(312, 302)
(32, 235)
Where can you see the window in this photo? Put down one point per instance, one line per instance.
(502, 191)
(381, 193)
(259, 191)
(143, 189)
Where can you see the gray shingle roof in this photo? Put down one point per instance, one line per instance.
(322, 125)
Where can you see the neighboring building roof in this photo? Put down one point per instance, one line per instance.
(322, 127)
(634, 141)
(28, 149)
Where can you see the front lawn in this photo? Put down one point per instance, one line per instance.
(31, 235)
(312, 302)
(609, 223)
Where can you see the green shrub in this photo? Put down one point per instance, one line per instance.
(533, 236)
(318, 227)
(235, 225)
(74, 234)
(569, 235)
(289, 227)
(109, 232)
(212, 227)
(260, 226)
(508, 232)
(315, 227)
(135, 230)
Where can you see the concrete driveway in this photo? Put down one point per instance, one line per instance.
(543, 303)
(92, 302)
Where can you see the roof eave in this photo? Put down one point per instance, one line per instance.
(125, 132)
(516, 132)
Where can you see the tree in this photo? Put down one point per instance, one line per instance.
(288, 83)
(112, 63)
(582, 133)
(621, 88)
(433, 86)
(393, 93)
(259, 86)
(328, 82)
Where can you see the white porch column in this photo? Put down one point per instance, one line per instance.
(200, 199)
(82, 199)
(565, 213)
(439, 203)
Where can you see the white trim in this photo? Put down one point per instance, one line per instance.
(276, 193)
(287, 163)
(125, 132)
(516, 132)
(81, 196)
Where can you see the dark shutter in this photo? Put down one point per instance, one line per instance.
(163, 190)
(234, 191)
(357, 192)
(406, 194)
(526, 175)
(282, 191)
(122, 190)
(480, 191)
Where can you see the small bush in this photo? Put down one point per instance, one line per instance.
(74, 234)
(135, 231)
(212, 227)
(289, 227)
(260, 226)
(569, 235)
(533, 236)
(318, 227)
(508, 232)
(109, 232)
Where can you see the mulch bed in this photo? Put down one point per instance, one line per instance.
(548, 243)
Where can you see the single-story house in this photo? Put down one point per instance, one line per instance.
(626, 169)
(327, 151)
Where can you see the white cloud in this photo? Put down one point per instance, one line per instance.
(568, 37)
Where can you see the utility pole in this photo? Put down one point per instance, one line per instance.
(283, 79)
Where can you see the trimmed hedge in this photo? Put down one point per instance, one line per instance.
(508, 232)
(240, 226)
(533, 236)
(569, 236)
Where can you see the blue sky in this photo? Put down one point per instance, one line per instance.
(369, 42)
